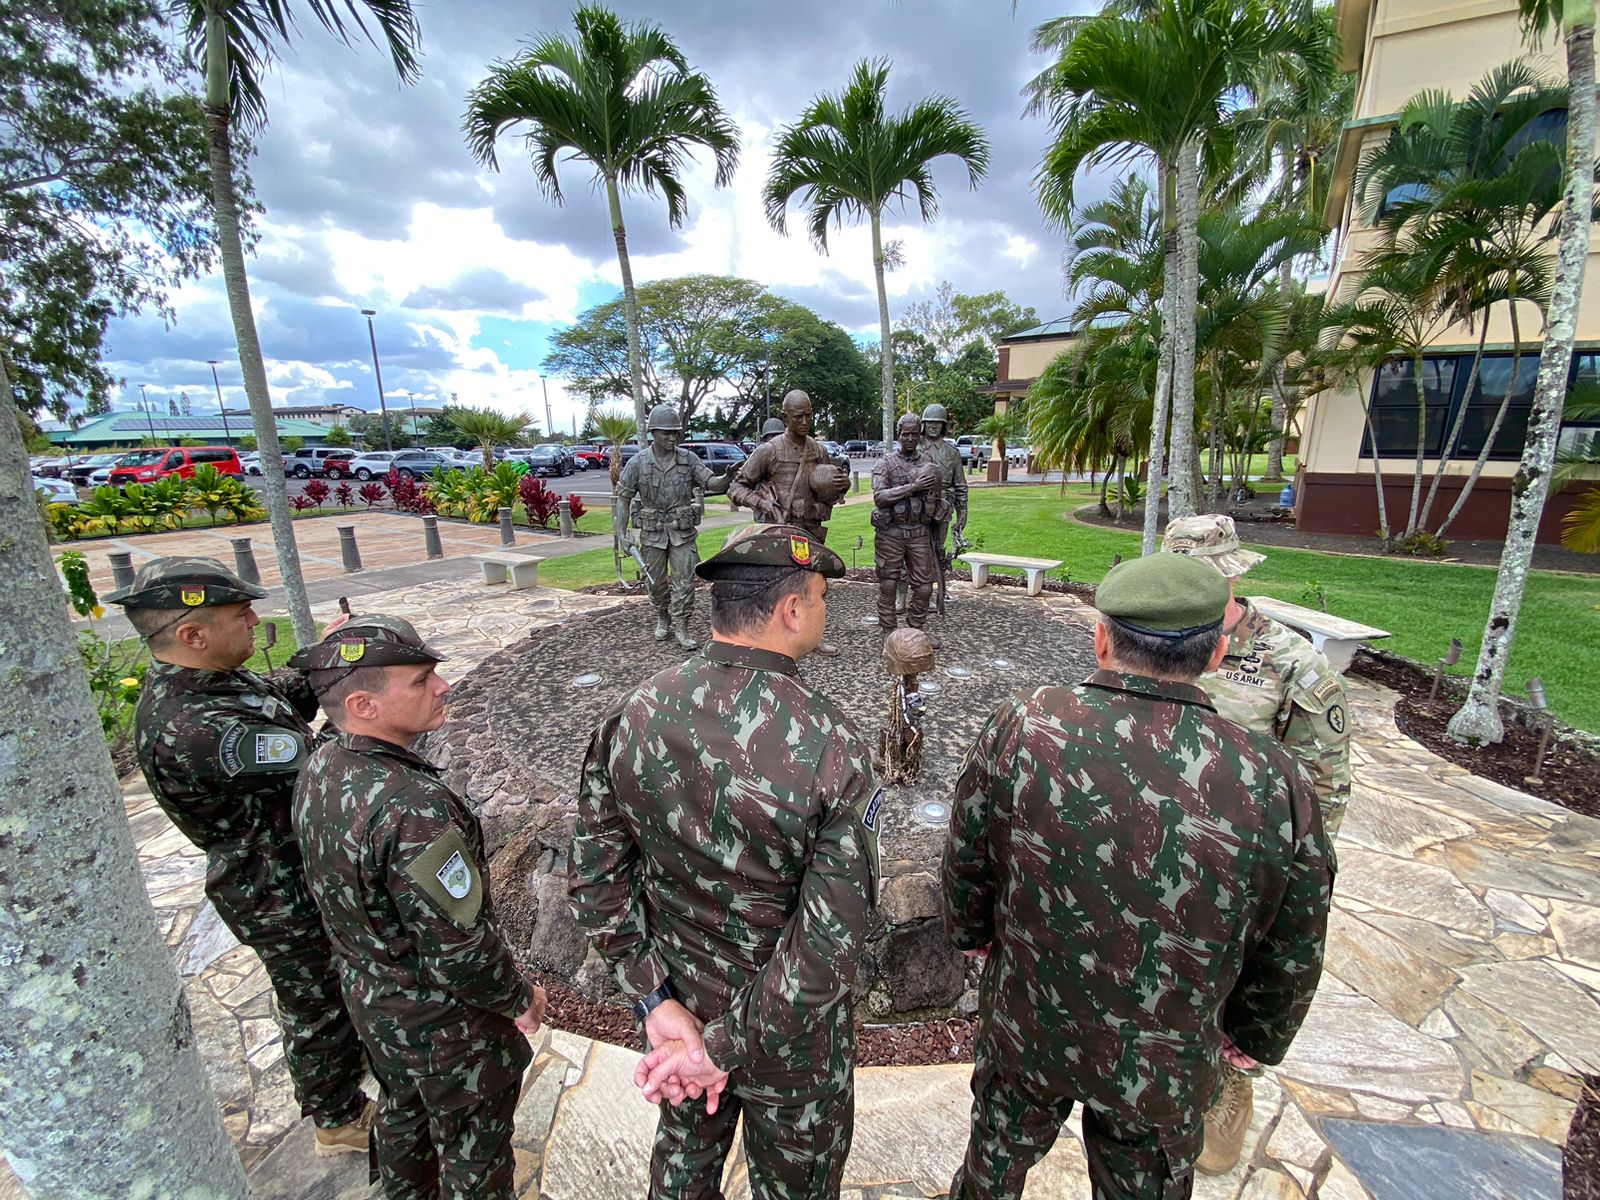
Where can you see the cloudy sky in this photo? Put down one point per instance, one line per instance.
(372, 201)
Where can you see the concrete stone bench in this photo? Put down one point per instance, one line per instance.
(1034, 568)
(1334, 636)
(521, 570)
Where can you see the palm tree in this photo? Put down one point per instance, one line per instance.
(1163, 84)
(849, 159)
(1479, 717)
(614, 427)
(622, 99)
(234, 41)
(1003, 427)
(487, 428)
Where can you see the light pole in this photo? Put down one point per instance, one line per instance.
(369, 313)
(549, 421)
(227, 434)
(148, 419)
(416, 439)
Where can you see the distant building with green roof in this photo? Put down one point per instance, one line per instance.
(134, 428)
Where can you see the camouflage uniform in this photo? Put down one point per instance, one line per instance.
(776, 484)
(907, 502)
(666, 504)
(220, 751)
(1147, 877)
(726, 843)
(397, 866)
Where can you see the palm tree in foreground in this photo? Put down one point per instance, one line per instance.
(487, 428)
(847, 159)
(234, 41)
(1479, 717)
(622, 99)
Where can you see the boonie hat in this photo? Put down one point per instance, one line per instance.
(1212, 538)
(780, 547)
(1164, 595)
(367, 642)
(188, 582)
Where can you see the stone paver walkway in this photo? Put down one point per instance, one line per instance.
(1439, 1061)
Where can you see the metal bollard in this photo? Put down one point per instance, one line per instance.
(566, 517)
(347, 548)
(121, 568)
(244, 561)
(508, 532)
(430, 537)
(855, 481)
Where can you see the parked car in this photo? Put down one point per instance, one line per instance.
(857, 449)
(251, 462)
(146, 466)
(549, 460)
(875, 449)
(834, 449)
(80, 471)
(52, 468)
(102, 477)
(415, 463)
(332, 461)
(593, 455)
(1018, 454)
(721, 457)
(57, 491)
(365, 466)
(748, 446)
(974, 450)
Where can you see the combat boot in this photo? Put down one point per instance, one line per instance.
(346, 1139)
(1227, 1123)
(680, 630)
(663, 625)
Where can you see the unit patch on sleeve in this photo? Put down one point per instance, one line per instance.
(869, 818)
(446, 873)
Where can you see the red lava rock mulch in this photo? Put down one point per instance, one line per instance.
(1571, 771)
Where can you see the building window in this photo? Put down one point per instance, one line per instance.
(1394, 405)
(1494, 377)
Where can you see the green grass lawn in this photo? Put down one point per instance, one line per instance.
(1424, 604)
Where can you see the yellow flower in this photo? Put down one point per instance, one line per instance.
(129, 682)
(97, 611)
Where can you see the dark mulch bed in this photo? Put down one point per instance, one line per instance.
(1580, 1164)
(1569, 777)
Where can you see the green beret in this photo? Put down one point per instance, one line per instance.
(780, 547)
(185, 583)
(367, 642)
(1167, 595)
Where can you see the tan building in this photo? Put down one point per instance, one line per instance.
(1399, 48)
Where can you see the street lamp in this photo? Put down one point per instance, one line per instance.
(416, 438)
(549, 421)
(148, 419)
(227, 434)
(369, 313)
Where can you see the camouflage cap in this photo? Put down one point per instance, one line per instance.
(367, 642)
(780, 547)
(1211, 538)
(1167, 595)
(185, 583)
(772, 428)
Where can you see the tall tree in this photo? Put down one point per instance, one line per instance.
(951, 320)
(86, 89)
(235, 41)
(102, 1093)
(1163, 83)
(1479, 717)
(621, 98)
(847, 158)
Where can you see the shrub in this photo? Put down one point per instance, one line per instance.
(542, 504)
(317, 492)
(499, 489)
(115, 669)
(372, 494)
(71, 522)
(345, 495)
(1421, 544)
(575, 502)
(302, 502)
(406, 493)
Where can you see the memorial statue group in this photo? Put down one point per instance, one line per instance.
(1142, 860)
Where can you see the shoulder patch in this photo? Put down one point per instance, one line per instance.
(1336, 718)
(446, 873)
(246, 748)
(869, 816)
(1327, 690)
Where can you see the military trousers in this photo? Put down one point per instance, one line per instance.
(1015, 1123)
(461, 1153)
(672, 570)
(794, 1150)
(905, 550)
(320, 1047)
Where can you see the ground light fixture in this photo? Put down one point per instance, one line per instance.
(587, 680)
(1451, 658)
(935, 813)
(1541, 708)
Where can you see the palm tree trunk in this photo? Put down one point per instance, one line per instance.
(1454, 436)
(1275, 446)
(1479, 717)
(105, 1092)
(225, 201)
(886, 349)
(630, 307)
(1184, 488)
(1167, 181)
(1422, 439)
(1120, 469)
(1494, 427)
(1377, 473)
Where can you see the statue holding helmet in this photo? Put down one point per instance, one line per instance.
(662, 492)
(790, 480)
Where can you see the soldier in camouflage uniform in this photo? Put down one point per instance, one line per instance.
(1274, 682)
(396, 863)
(220, 748)
(791, 480)
(1151, 883)
(907, 503)
(663, 491)
(725, 862)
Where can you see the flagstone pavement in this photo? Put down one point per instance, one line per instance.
(1439, 1061)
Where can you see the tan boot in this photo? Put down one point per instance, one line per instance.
(1227, 1123)
(347, 1139)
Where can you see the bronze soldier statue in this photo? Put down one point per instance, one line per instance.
(953, 481)
(790, 480)
(907, 503)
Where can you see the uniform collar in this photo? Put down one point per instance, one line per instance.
(210, 682)
(749, 656)
(1246, 631)
(360, 743)
(1154, 689)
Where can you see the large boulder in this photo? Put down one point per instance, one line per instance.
(920, 968)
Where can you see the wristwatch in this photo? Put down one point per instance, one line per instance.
(645, 1005)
